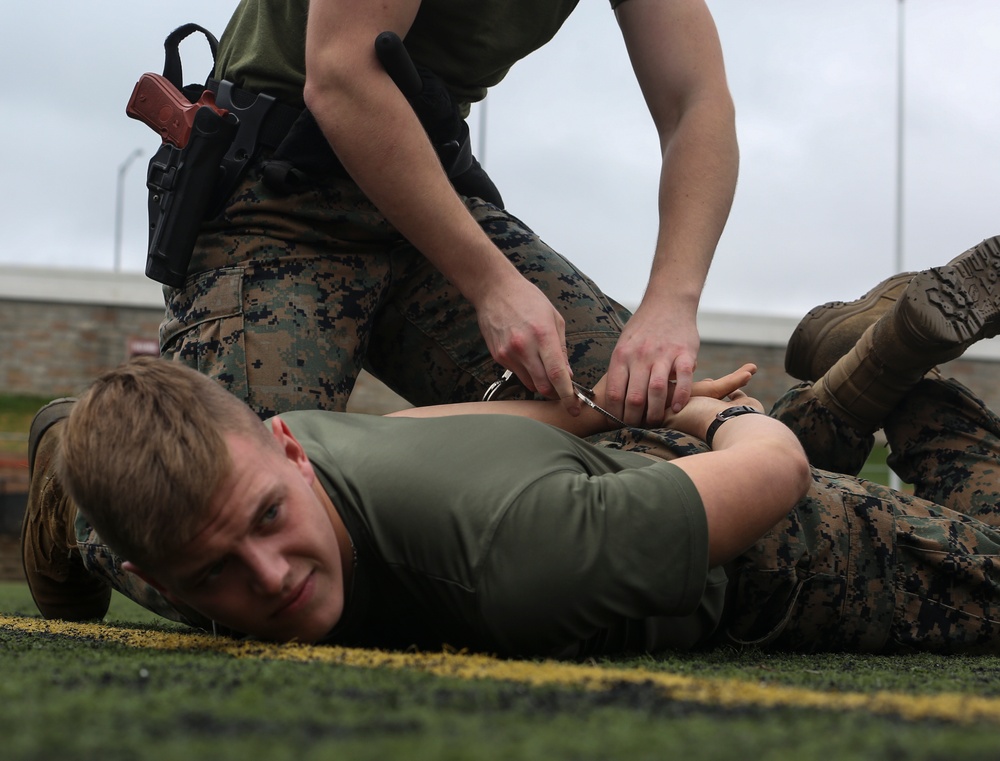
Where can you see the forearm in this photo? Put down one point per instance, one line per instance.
(677, 57)
(778, 477)
(697, 184)
(384, 148)
(553, 413)
(591, 421)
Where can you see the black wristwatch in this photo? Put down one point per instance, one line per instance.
(727, 414)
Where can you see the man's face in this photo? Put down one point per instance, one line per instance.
(267, 563)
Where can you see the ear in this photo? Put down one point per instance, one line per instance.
(292, 448)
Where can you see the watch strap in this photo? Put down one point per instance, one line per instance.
(727, 414)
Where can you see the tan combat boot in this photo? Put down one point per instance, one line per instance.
(940, 314)
(830, 330)
(59, 583)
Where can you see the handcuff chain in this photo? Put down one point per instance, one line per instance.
(583, 393)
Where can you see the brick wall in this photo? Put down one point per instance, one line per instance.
(53, 349)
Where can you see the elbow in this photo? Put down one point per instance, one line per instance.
(800, 473)
(790, 478)
(312, 94)
(331, 73)
(321, 88)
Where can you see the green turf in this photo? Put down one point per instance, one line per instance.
(16, 412)
(15, 600)
(876, 469)
(63, 698)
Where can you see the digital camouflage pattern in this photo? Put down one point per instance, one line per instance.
(289, 296)
(858, 566)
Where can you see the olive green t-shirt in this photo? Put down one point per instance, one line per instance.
(470, 44)
(500, 533)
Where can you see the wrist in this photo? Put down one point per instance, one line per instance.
(594, 403)
(486, 272)
(667, 290)
(662, 302)
(725, 415)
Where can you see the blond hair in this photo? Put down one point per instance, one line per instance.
(143, 454)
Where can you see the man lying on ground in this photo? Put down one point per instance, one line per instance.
(496, 527)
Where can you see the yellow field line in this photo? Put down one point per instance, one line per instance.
(951, 707)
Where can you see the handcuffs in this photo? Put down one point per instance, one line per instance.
(584, 394)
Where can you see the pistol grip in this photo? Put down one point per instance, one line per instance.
(157, 103)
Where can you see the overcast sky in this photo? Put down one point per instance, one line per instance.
(572, 148)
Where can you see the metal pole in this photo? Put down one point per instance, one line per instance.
(119, 203)
(481, 152)
(895, 481)
(900, 115)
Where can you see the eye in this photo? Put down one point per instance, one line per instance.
(270, 516)
(213, 572)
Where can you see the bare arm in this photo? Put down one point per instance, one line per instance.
(754, 475)
(588, 422)
(677, 58)
(380, 142)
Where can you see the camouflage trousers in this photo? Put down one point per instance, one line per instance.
(289, 296)
(858, 566)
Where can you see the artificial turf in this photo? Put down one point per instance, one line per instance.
(84, 697)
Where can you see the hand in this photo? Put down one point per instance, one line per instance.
(709, 396)
(728, 388)
(695, 417)
(651, 367)
(527, 335)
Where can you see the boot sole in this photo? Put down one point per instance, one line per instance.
(957, 304)
(45, 418)
(813, 329)
(85, 602)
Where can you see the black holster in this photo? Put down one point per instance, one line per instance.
(182, 183)
(191, 184)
